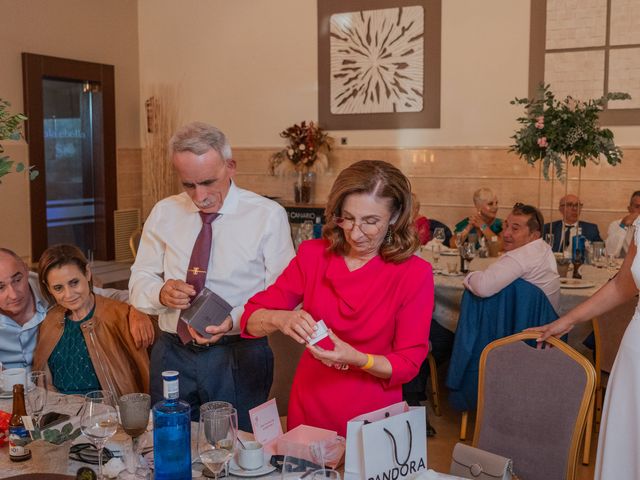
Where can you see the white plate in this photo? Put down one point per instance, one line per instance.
(575, 283)
(450, 253)
(234, 469)
(449, 274)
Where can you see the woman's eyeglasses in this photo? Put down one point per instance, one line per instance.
(368, 227)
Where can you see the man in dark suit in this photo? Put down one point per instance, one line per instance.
(564, 230)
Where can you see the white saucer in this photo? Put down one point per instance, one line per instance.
(234, 469)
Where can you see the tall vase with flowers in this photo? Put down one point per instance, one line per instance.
(561, 132)
(306, 154)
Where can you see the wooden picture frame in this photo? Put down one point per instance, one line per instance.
(398, 103)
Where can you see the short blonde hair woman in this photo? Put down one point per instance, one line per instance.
(483, 222)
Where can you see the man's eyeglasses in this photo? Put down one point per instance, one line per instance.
(368, 227)
(572, 205)
(530, 210)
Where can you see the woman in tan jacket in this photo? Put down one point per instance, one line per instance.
(84, 342)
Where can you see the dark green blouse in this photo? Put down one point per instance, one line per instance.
(70, 364)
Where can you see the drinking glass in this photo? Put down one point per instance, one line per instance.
(99, 421)
(134, 418)
(438, 235)
(36, 394)
(217, 438)
(326, 474)
(301, 460)
(599, 255)
(468, 252)
(435, 249)
(548, 238)
(210, 406)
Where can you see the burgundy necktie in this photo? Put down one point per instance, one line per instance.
(197, 272)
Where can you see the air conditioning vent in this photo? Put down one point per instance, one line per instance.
(126, 221)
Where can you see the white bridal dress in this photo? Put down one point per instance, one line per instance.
(618, 455)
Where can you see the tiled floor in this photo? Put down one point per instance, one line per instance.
(440, 447)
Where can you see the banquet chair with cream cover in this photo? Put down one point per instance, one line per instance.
(533, 404)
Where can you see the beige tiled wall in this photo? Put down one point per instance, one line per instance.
(445, 178)
(129, 162)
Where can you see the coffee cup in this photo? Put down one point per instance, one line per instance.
(251, 457)
(11, 377)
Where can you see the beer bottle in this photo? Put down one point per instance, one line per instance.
(18, 434)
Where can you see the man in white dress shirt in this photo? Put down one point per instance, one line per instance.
(620, 233)
(526, 256)
(250, 246)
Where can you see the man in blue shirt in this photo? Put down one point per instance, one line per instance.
(22, 310)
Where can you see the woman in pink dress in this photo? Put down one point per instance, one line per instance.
(372, 292)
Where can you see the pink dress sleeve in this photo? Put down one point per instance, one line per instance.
(413, 322)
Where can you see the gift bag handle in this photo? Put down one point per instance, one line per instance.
(395, 445)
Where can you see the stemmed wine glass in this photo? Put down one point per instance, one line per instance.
(210, 406)
(36, 395)
(217, 438)
(468, 253)
(438, 235)
(99, 420)
(134, 417)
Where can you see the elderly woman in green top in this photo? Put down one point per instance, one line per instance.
(483, 222)
(84, 342)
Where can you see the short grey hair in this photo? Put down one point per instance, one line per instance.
(199, 138)
(482, 195)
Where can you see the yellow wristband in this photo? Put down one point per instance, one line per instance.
(369, 363)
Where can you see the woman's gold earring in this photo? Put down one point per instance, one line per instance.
(388, 237)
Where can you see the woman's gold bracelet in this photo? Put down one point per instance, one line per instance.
(369, 363)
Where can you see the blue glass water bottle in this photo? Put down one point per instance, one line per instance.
(171, 433)
(578, 247)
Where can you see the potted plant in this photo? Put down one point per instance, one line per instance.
(306, 153)
(10, 130)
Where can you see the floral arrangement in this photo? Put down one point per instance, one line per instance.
(554, 130)
(307, 149)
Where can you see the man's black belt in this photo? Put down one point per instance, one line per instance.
(193, 345)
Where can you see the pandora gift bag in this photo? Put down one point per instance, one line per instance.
(389, 444)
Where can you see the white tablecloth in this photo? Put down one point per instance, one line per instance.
(449, 290)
